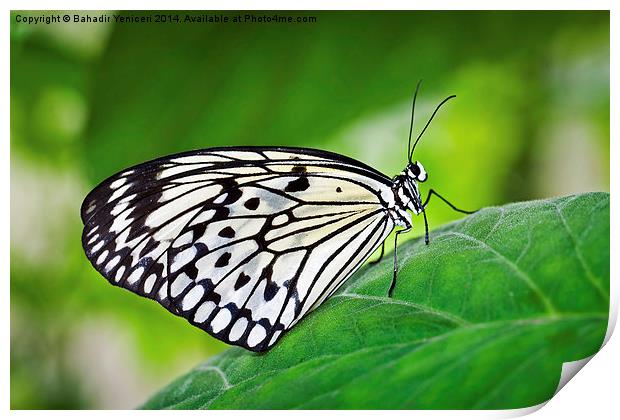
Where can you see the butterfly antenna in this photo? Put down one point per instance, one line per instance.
(428, 123)
(415, 95)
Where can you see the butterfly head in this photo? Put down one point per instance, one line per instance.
(415, 171)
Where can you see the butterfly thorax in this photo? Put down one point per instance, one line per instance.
(406, 194)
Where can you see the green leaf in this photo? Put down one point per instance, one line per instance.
(482, 318)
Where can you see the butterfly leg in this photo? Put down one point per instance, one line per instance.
(393, 284)
(428, 198)
(380, 255)
(426, 238)
(430, 194)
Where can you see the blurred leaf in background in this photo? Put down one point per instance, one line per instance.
(531, 120)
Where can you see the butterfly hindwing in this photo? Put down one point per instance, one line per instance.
(241, 242)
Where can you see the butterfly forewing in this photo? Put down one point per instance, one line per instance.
(241, 242)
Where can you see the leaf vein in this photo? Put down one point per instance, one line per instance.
(515, 268)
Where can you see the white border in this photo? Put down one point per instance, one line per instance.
(593, 393)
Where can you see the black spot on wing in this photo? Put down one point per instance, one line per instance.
(227, 232)
(191, 270)
(271, 289)
(252, 203)
(233, 196)
(197, 230)
(242, 281)
(202, 250)
(338, 189)
(211, 296)
(299, 169)
(223, 260)
(300, 184)
(221, 213)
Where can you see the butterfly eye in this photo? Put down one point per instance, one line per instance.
(417, 171)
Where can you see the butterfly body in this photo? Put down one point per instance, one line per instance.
(243, 242)
(406, 193)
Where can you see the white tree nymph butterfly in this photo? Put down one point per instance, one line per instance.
(243, 242)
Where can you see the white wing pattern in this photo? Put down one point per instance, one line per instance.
(242, 242)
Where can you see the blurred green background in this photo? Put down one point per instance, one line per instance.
(531, 120)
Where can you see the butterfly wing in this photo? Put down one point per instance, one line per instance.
(241, 242)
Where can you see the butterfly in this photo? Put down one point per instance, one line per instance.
(244, 242)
